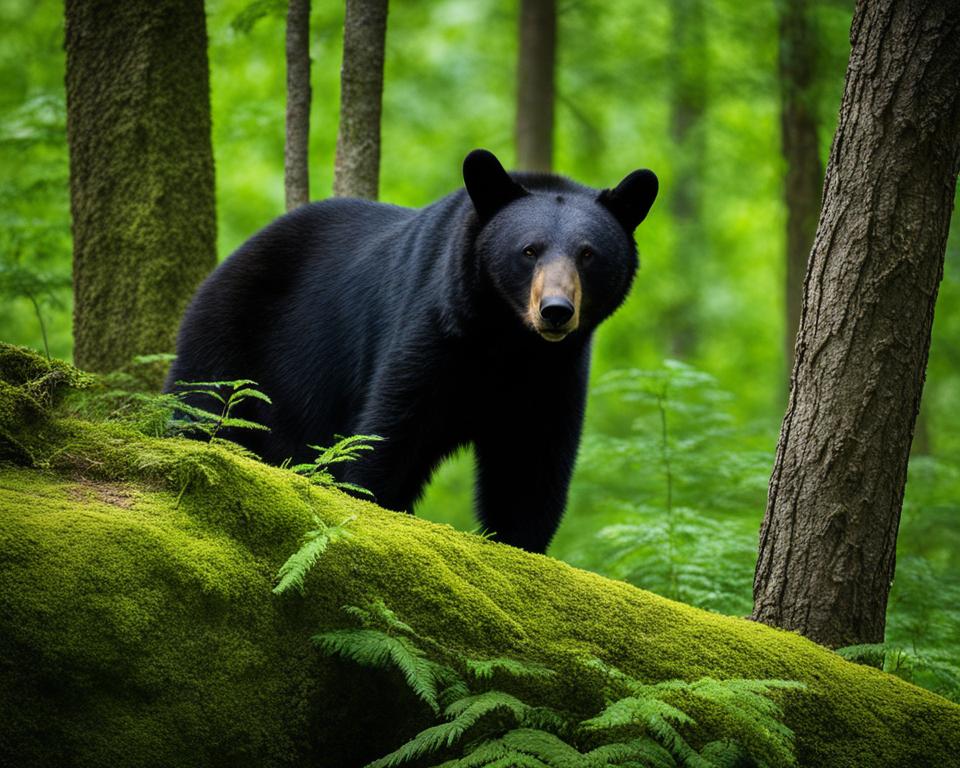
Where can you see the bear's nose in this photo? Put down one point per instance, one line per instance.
(556, 310)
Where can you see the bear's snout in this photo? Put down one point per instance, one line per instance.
(554, 305)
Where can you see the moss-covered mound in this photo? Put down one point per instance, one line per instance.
(138, 628)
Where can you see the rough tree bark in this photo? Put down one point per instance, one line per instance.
(536, 63)
(801, 151)
(688, 106)
(357, 171)
(828, 541)
(296, 167)
(141, 172)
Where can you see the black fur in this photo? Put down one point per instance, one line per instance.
(364, 318)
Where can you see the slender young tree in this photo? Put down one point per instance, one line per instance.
(536, 62)
(688, 106)
(801, 151)
(141, 173)
(296, 167)
(357, 171)
(828, 541)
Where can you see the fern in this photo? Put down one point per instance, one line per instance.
(373, 648)
(641, 751)
(315, 543)
(655, 717)
(521, 746)
(695, 483)
(210, 422)
(463, 716)
(746, 704)
(641, 725)
(345, 449)
(385, 642)
(485, 669)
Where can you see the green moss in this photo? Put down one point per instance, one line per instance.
(141, 173)
(137, 626)
(30, 386)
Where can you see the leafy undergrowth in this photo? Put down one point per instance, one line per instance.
(138, 625)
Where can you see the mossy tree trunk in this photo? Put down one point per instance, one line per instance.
(828, 542)
(536, 64)
(296, 165)
(141, 173)
(688, 54)
(801, 151)
(357, 171)
(138, 626)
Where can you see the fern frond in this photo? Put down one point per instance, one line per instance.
(345, 449)
(315, 542)
(245, 392)
(207, 392)
(543, 745)
(547, 719)
(655, 716)
(726, 753)
(464, 715)
(344, 486)
(471, 708)
(234, 422)
(378, 613)
(484, 669)
(374, 648)
(643, 751)
(747, 704)
(870, 654)
(493, 753)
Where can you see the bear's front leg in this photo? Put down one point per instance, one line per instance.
(395, 471)
(523, 471)
(413, 422)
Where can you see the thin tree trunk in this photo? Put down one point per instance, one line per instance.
(536, 62)
(141, 173)
(801, 151)
(828, 541)
(296, 165)
(689, 103)
(357, 172)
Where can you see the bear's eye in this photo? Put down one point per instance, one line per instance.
(530, 252)
(586, 256)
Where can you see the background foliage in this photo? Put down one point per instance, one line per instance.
(671, 482)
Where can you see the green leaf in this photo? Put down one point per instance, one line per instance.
(315, 542)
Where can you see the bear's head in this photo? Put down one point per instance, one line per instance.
(561, 256)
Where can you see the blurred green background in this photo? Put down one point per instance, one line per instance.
(671, 482)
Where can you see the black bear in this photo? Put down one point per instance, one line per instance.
(467, 321)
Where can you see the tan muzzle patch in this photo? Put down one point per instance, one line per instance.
(555, 278)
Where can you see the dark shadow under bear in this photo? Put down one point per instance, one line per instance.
(467, 321)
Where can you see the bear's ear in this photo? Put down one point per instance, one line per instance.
(489, 186)
(630, 200)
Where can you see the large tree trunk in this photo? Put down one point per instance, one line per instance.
(689, 103)
(801, 151)
(141, 172)
(296, 167)
(828, 541)
(536, 60)
(357, 172)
